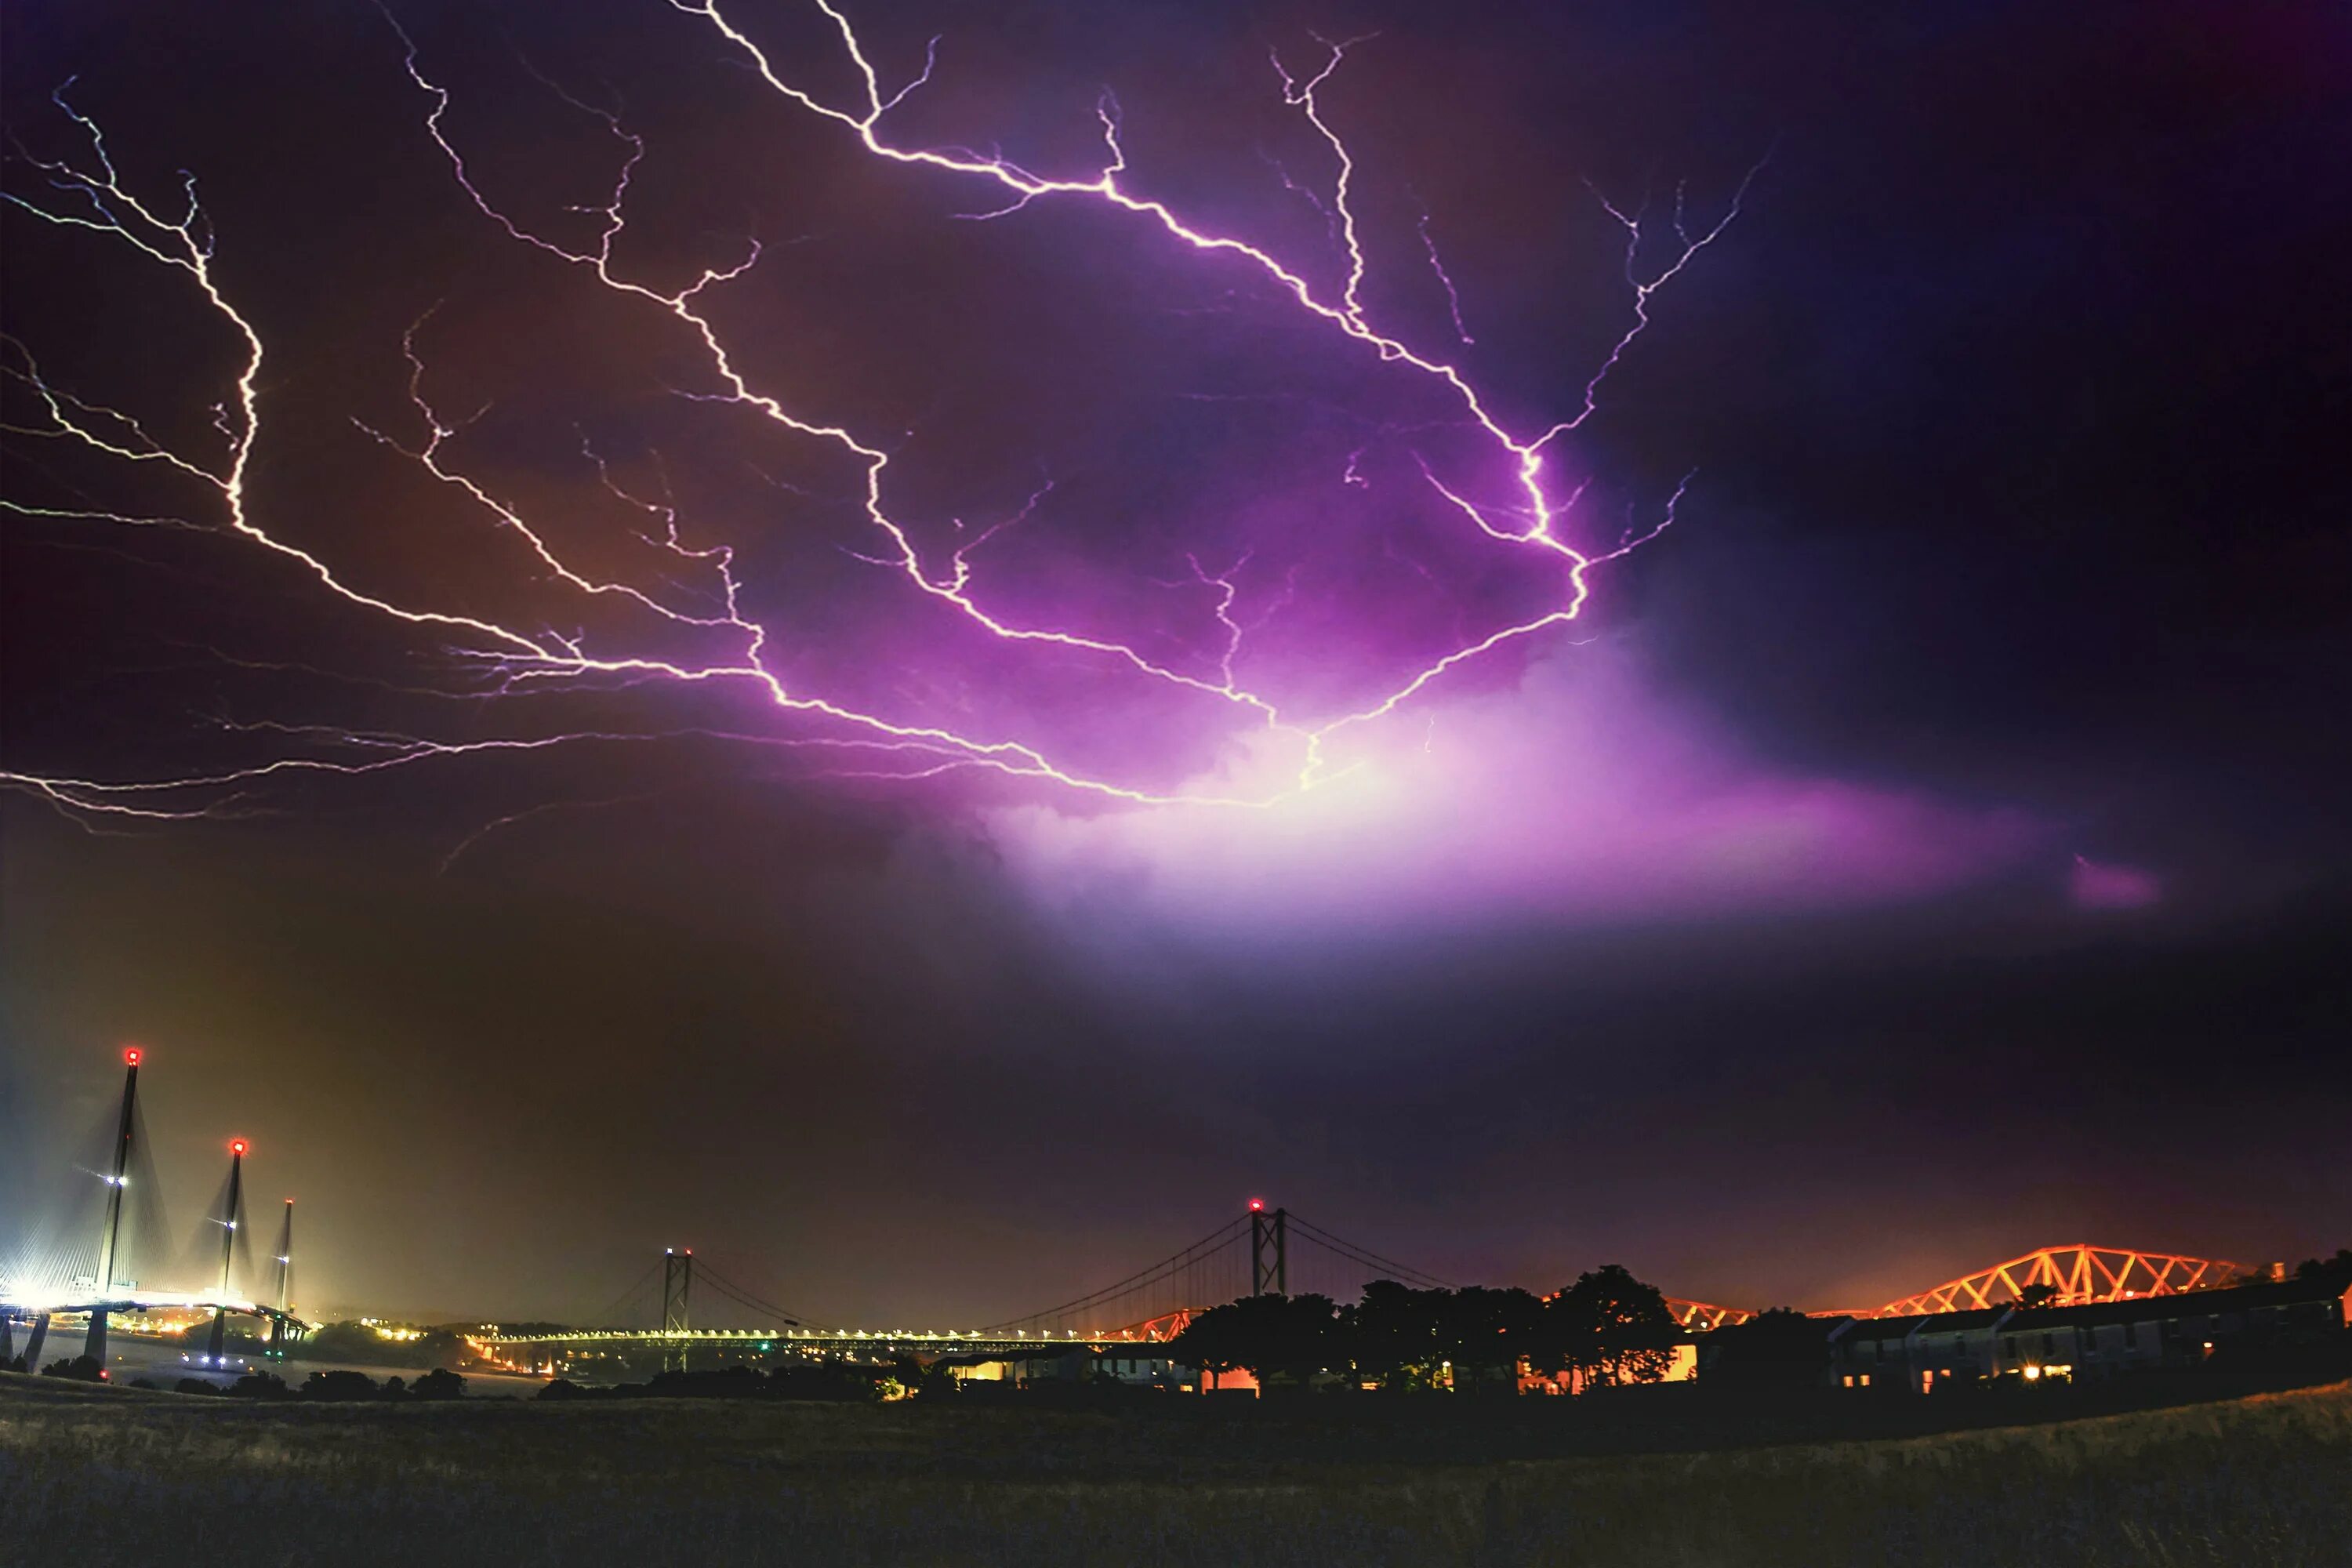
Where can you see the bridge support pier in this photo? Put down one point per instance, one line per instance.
(94, 1346)
(32, 1342)
(7, 1337)
(1269, 1233)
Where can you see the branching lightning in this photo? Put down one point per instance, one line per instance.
(703, 602)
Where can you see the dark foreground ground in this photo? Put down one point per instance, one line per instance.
(104, 1475)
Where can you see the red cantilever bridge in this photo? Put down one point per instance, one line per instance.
(2076, 1273)
(1278, 1251)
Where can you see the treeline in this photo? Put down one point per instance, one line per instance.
(338, 1384)
(2334, 1272)
(1608, 1328)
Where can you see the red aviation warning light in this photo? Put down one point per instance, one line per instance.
(131, 1054)
(1257, 1206)
(237, 1147)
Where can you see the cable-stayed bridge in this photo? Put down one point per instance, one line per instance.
(84, 1258)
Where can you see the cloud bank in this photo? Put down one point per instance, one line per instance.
(1581, 796)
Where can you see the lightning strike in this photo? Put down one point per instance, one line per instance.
(87, 195)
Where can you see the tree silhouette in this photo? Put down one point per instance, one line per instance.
(1781, 1348)
(1487, 1331)
(1610, 1328)
(438, 1383)
(339, 1384)
(1289, 1337)
(1395, 1333)
(2335, 1272)
(81, 1368)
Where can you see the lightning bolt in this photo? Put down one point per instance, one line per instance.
(704, 603)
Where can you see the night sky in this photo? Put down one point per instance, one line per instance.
(1930, 845)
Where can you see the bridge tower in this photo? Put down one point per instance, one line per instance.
(677, 1290)
(111, 1232)
(284, 1256)
(1269, 1233)
(229, 1247)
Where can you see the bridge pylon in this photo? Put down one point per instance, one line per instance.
(285, 1257)
(1269, 1250)
(678, 1293)
(110, 1233)
(217, 1343)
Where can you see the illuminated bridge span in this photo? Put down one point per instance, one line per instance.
(877, 1341)
(1698, 1316)
(2080, 1273)
(1258, 1252)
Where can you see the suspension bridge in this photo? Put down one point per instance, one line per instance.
(1261, 1251)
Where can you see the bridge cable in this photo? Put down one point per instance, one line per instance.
(1222, 1236)
(612, 1309)
(1404, 1273)
(1381, 1270)
(744, 1297)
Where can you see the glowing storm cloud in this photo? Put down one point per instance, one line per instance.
(1248, 641)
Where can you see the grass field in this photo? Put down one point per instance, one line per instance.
(102, 1476)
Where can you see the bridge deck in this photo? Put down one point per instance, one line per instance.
(948, 1340)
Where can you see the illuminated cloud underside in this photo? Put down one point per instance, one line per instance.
(1579, 796)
